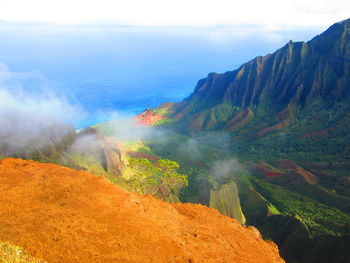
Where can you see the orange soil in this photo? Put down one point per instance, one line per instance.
(148, 118)
(266, 169)
(290, 165)
(272, 174)
(199, 164)
(316, 134)
(320, 134)
(238, 116)
(277, 126)
(284, 117)
(135, 154)
(63, 215)
(247, 114)
(286, 164)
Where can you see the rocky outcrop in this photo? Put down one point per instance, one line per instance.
(226, 201)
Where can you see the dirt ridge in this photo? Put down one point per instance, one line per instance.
(64, 215)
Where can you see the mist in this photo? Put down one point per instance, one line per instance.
(129, 129)
(225, 169)
(31, 119)
(191, 149)
(207, 146)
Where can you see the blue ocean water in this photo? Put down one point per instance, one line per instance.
(127, 69)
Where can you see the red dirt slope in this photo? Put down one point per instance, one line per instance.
(148, 118)
(63, 215)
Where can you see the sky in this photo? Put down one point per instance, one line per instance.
(269, 13)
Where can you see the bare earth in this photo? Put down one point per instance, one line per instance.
(63, 215)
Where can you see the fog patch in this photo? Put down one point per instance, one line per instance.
(225, 169)
(130, 129)
(221, 141)
(190, 148)
(31, 119)
(87, 144)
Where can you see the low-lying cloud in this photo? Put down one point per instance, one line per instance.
(31, 119)
(129, 129)
(198, 146)
(224, 169)
(190, 148)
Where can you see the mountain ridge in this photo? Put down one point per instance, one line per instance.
(291, 75)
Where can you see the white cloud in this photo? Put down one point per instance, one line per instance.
(30, 120)
(270, 13)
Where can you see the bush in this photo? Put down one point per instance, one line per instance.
(159, 179)
(14, 254)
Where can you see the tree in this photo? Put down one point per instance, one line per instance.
(160, 178)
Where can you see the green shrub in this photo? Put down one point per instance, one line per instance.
(159, 179)
(14, 254)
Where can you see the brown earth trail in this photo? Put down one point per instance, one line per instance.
(63, 215)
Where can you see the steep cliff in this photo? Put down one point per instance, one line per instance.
(273, 92)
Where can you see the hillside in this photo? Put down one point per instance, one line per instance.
(63, 215)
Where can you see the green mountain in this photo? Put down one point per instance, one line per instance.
(286, 116)
(270, 91)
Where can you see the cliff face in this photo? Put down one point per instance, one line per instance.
(63, 215)
(298, 74)
(226, 201)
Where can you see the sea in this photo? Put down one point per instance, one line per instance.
(124, 69)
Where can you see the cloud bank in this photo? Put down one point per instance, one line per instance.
(224, 169)
(31, 119)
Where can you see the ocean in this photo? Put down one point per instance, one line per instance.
(128, 69)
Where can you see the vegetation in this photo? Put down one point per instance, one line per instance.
(159, 179)
(14, 254)
(320, 219)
